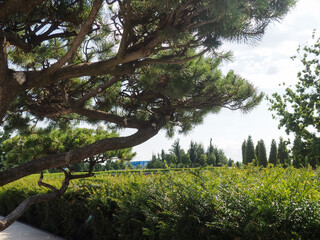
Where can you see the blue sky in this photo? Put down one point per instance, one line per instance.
(266, 65)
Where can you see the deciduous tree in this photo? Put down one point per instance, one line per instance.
(298, 109)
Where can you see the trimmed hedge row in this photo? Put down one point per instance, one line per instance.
(221, 203)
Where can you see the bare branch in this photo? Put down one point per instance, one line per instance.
(16, 213)
(46, 185)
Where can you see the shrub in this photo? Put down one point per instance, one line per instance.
(219, 203)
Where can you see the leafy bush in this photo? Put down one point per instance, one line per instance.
(219, 203)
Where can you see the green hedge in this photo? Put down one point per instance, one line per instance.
(221, 203)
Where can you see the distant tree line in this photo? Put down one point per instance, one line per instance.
(195, 156)
(280, 153)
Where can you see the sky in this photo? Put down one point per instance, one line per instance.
(267, 64)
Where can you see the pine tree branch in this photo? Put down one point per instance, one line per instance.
(169, 60)
(111, 118)
(55, 193)
(17, 212)
(79, 154)
(3, 59)
(126, 32)
(15, 6)
(96, 91)
(15, 40)
(85, 29)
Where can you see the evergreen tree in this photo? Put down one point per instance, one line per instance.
(176, 150)
(273, 152)
(243, 148)
(210, 148)
(283, 154)
(185, 159)
(299, 153)
(262, 154)
(211, 160)
(120, 64)
(250, 152)
(3, 137)
(192, 153)
(230, 162)
(163, 154)
(256, 153)
(221, 158)
(23, 148)
(203, 160)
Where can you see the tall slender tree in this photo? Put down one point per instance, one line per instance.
(273, 152)
(243, 151)
(283, 154)
(262, 154)
(250, 152)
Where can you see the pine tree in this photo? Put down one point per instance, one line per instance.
(120, 64)
(283, 154)
(262, 154)
(273, 152)
(250, 153)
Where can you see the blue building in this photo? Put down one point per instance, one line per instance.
(136, 163)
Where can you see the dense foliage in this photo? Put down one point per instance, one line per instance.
(221, 203)
(146, 65)
(23, 148)
(195, 156)
(298, 110)
(257, 155)
(124, 64)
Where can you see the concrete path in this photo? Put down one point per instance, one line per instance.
(20, 231)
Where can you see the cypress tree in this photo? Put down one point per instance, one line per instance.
(273, 152)
(298, 152)
(283, 154)
(262, 154)
(250, 155)
(243, 148)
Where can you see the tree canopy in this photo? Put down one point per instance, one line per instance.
(146, 65)
(298, 110)
(23, 148)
